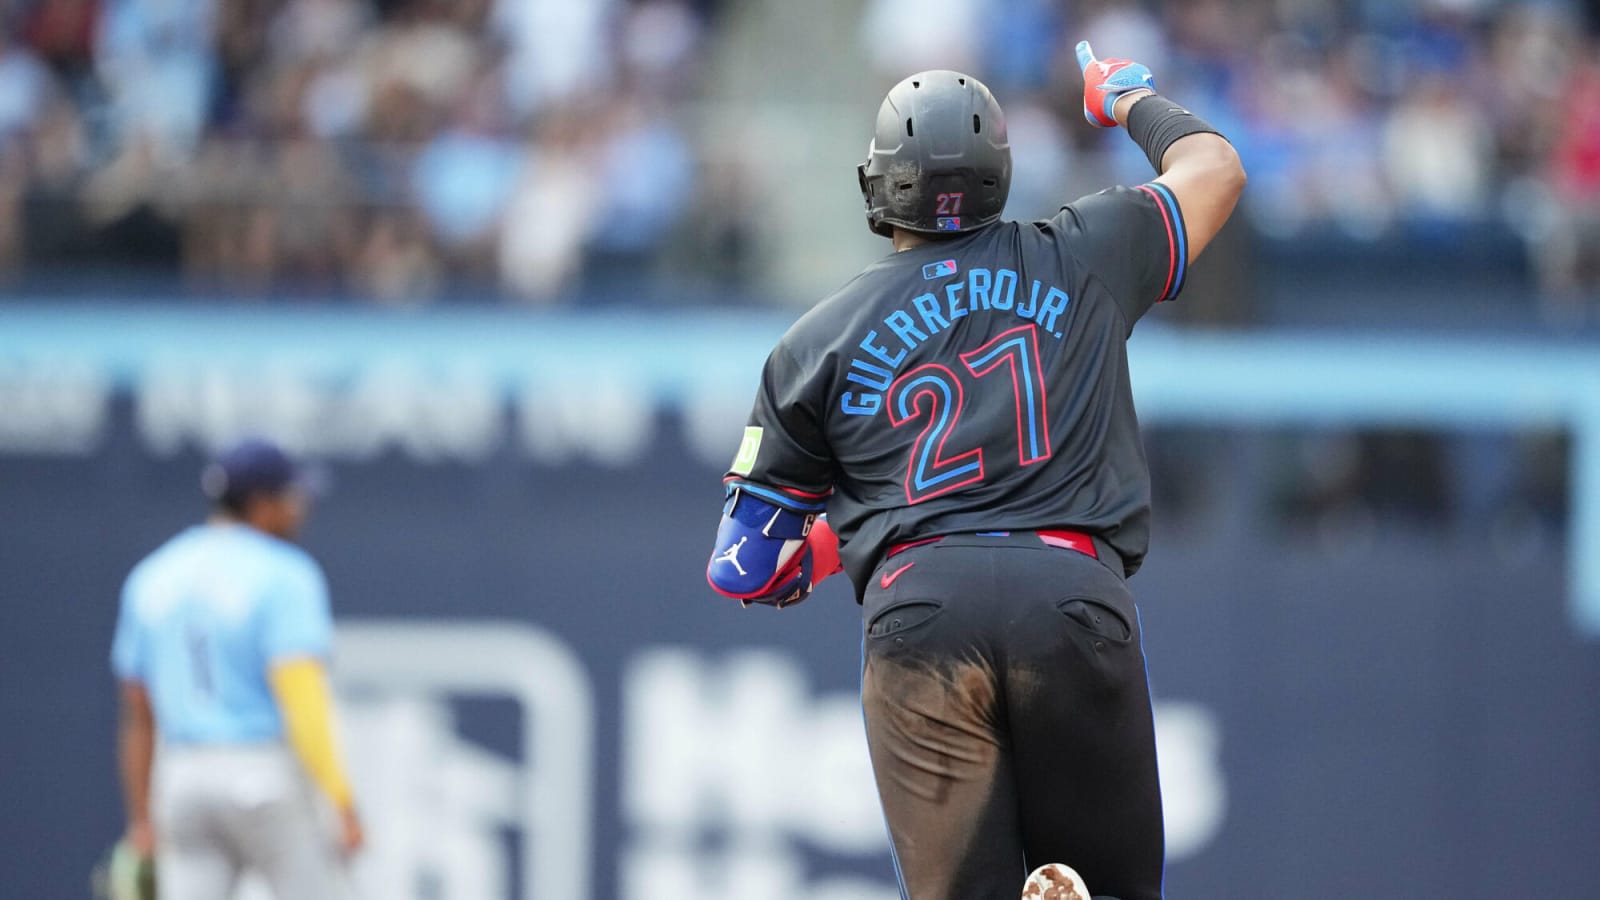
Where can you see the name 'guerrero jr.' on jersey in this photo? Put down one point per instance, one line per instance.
(973, 384)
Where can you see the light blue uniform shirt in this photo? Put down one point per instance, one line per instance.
(202, 619)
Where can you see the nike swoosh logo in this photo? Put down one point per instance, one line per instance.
(889, 578)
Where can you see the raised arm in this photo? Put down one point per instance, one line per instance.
(1203, 171)
(1198, 165)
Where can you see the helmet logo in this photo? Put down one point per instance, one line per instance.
(948, 211)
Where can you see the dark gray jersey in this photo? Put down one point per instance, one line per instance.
(974, 384)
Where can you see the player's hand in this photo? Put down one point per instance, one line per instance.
(824, 546)
(793, 584)
(141, 837)
(352, 837)
(1105, 81)
(817, 560)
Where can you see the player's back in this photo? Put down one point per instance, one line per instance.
(204, 616)
(977, 383)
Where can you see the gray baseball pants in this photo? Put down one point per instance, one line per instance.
(222, 811)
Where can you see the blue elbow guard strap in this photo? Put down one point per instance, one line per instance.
(761, 554)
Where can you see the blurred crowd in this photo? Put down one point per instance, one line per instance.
(535, 148)
(1377, 119)
(377, 148)
(1422, 124)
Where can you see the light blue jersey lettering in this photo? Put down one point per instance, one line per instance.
(928, 307)
(1030, 307)
(868, 344)
(978, 288)
(1005, 289)
(906, 330)
(981, 291)
(1055, 303)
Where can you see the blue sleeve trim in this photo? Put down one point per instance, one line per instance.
(780, 497)
(1174, 215)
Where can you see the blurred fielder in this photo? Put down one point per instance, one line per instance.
(962, 411)
(220, 647)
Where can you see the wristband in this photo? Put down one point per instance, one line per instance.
(1156, 123)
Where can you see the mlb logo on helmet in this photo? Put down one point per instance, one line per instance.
(948, 223)
(940, 269)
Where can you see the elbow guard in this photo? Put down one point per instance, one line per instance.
(761, 553)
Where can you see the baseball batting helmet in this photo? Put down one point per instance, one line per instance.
(939, 161)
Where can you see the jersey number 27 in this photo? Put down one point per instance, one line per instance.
(932, 394)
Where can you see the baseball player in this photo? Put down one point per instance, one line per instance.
(962, 412)
(220, 648)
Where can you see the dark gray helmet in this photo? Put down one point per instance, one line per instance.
(939, 161)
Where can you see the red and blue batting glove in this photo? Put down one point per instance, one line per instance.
(1105, 80)
(817, 560)
(770, 554)
(791, 585)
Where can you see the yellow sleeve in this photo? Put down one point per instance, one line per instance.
(306, 704)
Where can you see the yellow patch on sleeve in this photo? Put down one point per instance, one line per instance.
(745, 461)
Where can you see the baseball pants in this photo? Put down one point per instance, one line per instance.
(1008, 717)
(221, 811)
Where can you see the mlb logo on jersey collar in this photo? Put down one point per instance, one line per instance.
(941, 269)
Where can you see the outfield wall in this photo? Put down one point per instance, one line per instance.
(545, 702)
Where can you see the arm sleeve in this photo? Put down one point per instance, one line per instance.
(127, 660)
(306, 704)
(784, 457)
(1133, 241)
(298, 621)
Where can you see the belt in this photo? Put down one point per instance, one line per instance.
(1050, 537)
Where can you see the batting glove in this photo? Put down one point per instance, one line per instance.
(790, 586)
(815, 562)
(1106, 80)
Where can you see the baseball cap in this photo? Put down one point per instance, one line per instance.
(254, 466)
